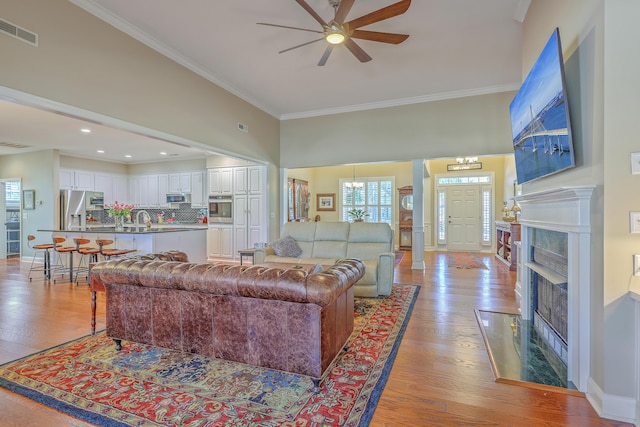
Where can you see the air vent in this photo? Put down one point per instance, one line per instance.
(12, 145)
(243, 127)
(19, 33)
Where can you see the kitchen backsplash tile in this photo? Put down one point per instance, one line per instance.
(185, 214)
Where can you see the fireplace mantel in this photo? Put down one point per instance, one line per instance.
(566, 210)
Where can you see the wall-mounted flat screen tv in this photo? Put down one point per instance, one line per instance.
(540, 123)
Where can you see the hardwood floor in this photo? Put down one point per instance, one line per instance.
(441, 376)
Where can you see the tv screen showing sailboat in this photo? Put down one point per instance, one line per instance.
(540, 123)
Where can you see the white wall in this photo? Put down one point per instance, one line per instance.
(602, 66)
(477, 125)
(35, 169)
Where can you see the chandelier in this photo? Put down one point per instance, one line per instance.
(354, 184)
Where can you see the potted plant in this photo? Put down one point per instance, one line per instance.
(358, 215)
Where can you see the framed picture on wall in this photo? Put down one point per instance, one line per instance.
(326, 202)
(28, 199)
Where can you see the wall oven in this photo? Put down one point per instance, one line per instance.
(221, 209)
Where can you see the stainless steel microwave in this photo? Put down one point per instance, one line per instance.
(178, 198)
(221, 209)
(94, 200)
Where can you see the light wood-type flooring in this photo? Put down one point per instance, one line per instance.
(441, 377)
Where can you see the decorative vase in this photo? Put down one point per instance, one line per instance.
(119, 222)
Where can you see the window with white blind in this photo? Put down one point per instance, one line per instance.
(12, 193)
(486, 216)
(373, 195)
(442, 214)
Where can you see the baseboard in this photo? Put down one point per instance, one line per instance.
(619, 408)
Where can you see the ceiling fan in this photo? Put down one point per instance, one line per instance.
(337, 31)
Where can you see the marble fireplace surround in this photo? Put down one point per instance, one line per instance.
(566, 210)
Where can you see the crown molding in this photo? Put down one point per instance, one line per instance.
(403, 101)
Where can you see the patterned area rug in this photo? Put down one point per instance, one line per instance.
(399, 256)
(464, 260)
(150, 386)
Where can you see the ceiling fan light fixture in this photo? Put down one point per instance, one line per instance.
(334, 35)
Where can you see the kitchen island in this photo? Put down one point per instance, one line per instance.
(188, 238)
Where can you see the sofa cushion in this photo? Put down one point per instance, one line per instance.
(286, 247)
(303, 233)
(368, 240)
(331, 240)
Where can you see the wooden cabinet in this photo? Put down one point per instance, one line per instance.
(298, 200)
(180, 182)
(220, 181)
(248, 180)
(405, 218)
(76, 180)
(507, 234)
(220, 241)
(197, 190)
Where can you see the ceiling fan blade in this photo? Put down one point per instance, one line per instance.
(300, 45)
(343, 11)
(357, 51)
(376, 36)
(291, 28)
(325, 55)
(311, 12)
(380, 15)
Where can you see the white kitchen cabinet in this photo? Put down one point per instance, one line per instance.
(220, 241)
(134, 191)
(84, 180)
(120, 190)
(67, 179)
(198, 199)
(180, 182)
(76, 180)
(163, 190)
(153, 199)
(248, 179)
(249, 220)
(220, 181)
(104, 183)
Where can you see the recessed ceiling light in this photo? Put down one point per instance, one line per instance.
(101, 151)
(128, 156)
(85, 130)
(163, 153)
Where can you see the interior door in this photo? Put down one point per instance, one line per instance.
(464, 216)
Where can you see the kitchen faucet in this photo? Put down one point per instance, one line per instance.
(148, 217)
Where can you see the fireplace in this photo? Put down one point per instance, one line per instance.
(553, 289)
(549, 291)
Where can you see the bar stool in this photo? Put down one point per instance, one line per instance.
(108, 253)
(85, 251)
(58, 241)
(44, 247)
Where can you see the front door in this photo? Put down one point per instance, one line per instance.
(464, 218)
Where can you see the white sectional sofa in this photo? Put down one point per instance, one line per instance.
(326, 242)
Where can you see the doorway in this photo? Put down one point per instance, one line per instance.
(10, 202)
(464, 215)
(464, 212)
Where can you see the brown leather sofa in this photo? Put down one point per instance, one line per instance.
(286, 319)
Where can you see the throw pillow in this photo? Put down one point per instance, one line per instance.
(286, 246)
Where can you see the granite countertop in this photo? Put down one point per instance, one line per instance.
(133, 230)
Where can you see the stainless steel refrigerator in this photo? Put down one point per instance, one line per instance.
(74, 206)
(72, 209)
